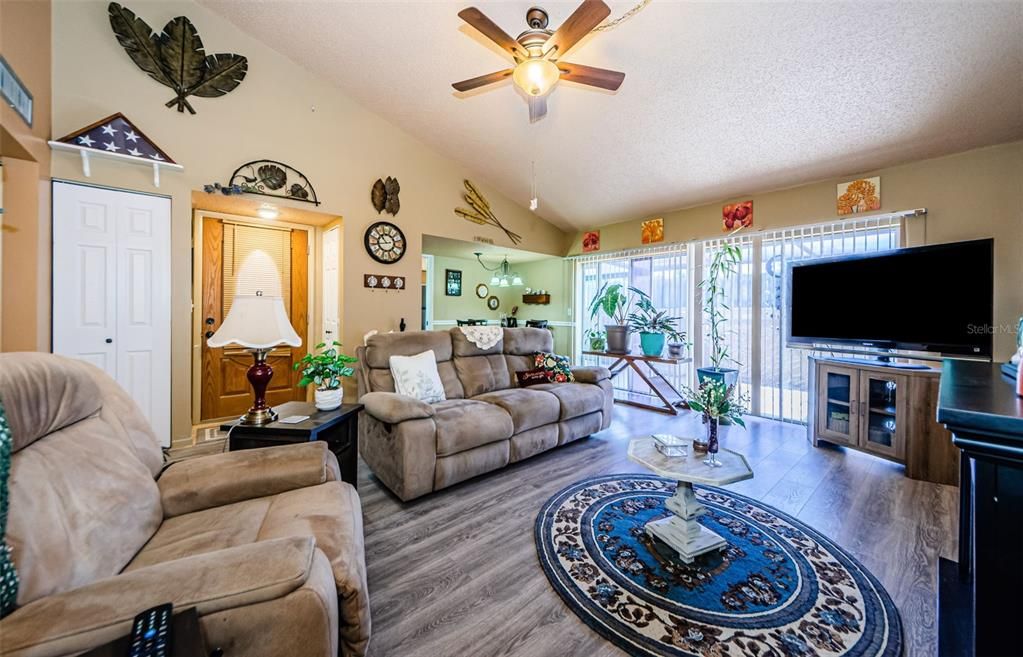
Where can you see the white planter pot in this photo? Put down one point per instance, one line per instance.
(328, 400)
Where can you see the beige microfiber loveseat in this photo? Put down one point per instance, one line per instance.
(485, 423)
(266, 544)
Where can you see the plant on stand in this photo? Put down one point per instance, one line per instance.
(716, 402)
(677, 343)
(653, 325)
(723, 265)
(596, 338)
(613, 299)
(325, 370)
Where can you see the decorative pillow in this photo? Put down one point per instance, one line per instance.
(417, 376)
(554, 366)
(531, 378)
(8, 576)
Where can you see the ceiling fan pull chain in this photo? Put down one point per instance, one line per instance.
(611, 24)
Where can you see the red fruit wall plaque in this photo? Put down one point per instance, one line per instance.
(737, 215)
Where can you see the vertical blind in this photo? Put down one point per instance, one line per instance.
(660, 272)
(772, 375)
(266, 256)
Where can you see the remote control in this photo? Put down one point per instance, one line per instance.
(150, 633)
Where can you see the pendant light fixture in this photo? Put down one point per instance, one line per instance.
(503, 275)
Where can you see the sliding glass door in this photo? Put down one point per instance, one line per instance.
(773, 376)
(664, 275)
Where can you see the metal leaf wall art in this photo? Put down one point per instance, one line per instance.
(385, 195)
(267, 178)
(176, 57)
(481, 213)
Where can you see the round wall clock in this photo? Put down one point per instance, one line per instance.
(482, 291)
(493, 303)
(385, 242)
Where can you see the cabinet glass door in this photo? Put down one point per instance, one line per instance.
(837, 415)
(882, 399)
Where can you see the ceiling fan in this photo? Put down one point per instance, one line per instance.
(537, 53)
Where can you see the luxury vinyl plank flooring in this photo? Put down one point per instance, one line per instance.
(456, 573)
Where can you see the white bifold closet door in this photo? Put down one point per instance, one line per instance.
(111, 290)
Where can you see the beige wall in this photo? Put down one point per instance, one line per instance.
(340, 146)
(25, 234)
(970, 195)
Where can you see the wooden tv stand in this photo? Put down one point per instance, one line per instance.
(888, 411)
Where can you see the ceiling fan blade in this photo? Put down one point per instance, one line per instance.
(587, 16)
(483, 80)
(537, 108)
(489, 28)
(591, 75)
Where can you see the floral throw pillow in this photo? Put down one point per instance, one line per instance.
(417, 376)
(554, 366)
(8, 576)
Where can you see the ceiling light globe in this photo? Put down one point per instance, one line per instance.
(495, 280)
(536, 76)
(517, 281)
(504, 282)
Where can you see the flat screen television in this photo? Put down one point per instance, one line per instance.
(931, 298)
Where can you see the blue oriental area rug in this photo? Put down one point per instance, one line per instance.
(778, 588)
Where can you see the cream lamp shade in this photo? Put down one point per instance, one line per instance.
(256, 322)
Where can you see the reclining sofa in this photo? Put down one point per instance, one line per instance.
(486, 421)
(265, 544)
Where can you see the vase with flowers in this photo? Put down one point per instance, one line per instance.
(716, 402)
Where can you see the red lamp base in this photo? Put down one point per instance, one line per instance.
(259, 376)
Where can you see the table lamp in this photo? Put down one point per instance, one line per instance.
(259, 324)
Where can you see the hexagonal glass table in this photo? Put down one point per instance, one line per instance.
(681, 531)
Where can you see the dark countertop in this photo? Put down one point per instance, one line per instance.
(978, 397)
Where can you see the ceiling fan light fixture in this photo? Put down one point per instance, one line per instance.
(536, 76)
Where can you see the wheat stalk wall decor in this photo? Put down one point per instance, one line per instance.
(481, 213)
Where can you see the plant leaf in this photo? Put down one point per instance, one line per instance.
(182, 54)
(139, 41)
(224, 72)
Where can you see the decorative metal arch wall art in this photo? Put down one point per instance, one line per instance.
(268, 178)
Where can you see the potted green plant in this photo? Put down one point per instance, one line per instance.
(325, 370)
(652, 325)
(718, 403)
(676, 343)
(596, 338)
(613, 299)
(724, 263)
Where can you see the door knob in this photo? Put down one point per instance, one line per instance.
(109, 340)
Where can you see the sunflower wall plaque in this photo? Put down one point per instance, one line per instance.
(652, 231)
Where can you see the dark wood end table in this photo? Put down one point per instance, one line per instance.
(339, 428)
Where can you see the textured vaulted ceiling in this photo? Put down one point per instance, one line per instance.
(720, 99)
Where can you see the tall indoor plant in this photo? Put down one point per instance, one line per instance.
(613, 299)
(325, 370)
(722, 266)
(653, 325)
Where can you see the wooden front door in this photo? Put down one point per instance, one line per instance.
(225, 390)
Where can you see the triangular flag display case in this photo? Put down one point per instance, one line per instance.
(117, 138)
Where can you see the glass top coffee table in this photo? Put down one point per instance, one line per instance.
(681, 530)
